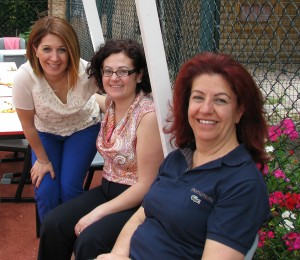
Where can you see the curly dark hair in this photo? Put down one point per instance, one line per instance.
(132, 49)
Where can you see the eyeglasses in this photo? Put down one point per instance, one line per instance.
(119, 72)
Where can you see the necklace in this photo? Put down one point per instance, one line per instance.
(56, 90)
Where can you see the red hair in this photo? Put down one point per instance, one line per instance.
(252, 128)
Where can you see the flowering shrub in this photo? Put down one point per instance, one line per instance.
(280, 237)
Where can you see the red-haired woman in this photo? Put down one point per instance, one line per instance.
(209, 199)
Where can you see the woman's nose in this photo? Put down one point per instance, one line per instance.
(114, 76)
(55, 56)
(207, 107)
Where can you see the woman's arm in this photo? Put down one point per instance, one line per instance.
(149, 157)
(216, 250)
(101, 102)
(121, 248)
(42, 165)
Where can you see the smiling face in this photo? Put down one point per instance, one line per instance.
(213, 110)
(53, 56)
(116, 87)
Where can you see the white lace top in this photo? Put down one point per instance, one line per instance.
(51, 115)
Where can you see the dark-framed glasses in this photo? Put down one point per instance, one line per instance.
(119, 72)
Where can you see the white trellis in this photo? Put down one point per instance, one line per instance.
(93, 21)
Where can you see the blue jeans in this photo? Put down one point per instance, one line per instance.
(71, 157)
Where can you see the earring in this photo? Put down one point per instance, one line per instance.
(139, 81)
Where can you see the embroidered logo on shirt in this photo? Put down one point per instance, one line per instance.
(195, 199)
(202, 195)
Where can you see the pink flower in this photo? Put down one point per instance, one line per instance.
(288, 123)
(293, 135)
(270, 234)
(262, 238)
(276, 197)
(265, 170)
(286, 127)
(279, 174)
(289, 128)
(292, 240)
(274, 133)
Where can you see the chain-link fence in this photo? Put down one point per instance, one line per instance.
(261, 34)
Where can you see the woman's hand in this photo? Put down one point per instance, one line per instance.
(85, 221)
(39, 170)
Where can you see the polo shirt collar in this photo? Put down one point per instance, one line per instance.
(236, 157)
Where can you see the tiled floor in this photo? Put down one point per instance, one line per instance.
(18, 239)
(17, 220)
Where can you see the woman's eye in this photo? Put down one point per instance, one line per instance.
(108, 72)
(198, 98)
(123, 71)
(46, 49)
(62, 50)
(220, 101)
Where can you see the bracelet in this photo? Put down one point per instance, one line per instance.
(43, 162)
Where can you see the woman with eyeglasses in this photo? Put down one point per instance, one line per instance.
(129, 142)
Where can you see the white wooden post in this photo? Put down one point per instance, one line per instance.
(93, 21)
(157, 63)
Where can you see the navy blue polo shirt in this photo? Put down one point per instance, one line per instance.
(225, 200)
